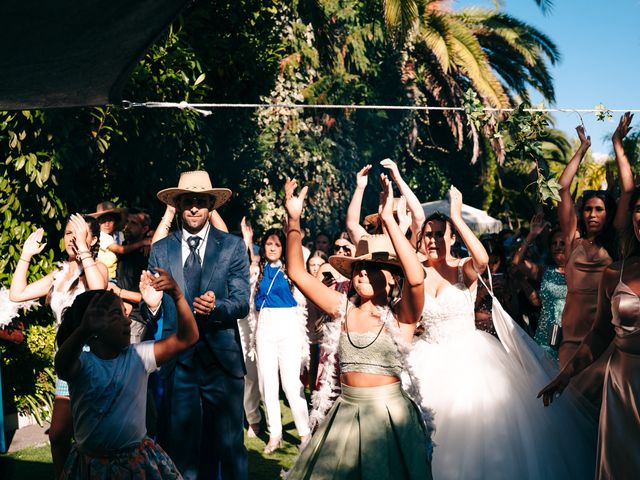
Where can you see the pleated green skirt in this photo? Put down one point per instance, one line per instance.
(373, 433)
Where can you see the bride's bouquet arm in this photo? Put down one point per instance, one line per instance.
(479, 256)
(596, 341)
(413, 288)
(325, 298)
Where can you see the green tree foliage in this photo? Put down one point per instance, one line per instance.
(309, 51)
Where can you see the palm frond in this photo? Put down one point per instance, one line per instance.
(400, 16)
(471, 60)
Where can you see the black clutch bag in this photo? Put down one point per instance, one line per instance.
(555, 338)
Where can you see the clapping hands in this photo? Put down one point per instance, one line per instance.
(294, 204)
(386, 199)
(624, 126)
(153, 285)
(585, 141)
(362, 178)
(392, 168)
(455, 203)
(81, 233)
(34, 244)
(537, 224)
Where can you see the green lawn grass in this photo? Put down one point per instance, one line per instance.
(34, 463)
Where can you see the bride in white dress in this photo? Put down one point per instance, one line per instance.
(489, 424)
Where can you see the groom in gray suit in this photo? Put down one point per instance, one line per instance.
(201, 417)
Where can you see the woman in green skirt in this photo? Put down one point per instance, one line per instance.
(373, 429)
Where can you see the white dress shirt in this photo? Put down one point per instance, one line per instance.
(202, 246)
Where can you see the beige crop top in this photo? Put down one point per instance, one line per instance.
(364, 353)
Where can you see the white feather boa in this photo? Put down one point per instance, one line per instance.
(325, 396)
(10, 310)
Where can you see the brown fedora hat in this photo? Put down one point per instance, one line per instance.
(104, 208)
(371, 248)
(197, 181)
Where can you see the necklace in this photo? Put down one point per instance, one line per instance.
(362, 347)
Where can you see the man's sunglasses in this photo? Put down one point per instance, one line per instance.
(200, 202)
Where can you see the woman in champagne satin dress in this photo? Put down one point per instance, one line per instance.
(617, 324)
(590, 239)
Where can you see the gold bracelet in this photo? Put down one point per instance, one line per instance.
(89, 266)
(293, 230)
(23, 260)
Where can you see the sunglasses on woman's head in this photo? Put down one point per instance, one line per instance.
(338, 248)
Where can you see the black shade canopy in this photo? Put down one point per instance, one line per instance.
(67, 53)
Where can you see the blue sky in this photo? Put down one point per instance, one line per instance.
(600, 46)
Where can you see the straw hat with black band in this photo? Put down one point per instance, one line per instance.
(371, 248)
(195, 182)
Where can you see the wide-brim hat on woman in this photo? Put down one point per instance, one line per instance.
(198, 182)
(105, 208)
(371, 248)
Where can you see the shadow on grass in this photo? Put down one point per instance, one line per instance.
(262, 467)
(16, 468)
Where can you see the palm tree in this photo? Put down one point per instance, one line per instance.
(401, 16)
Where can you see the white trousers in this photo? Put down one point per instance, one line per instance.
(279, 345)
(251, 385)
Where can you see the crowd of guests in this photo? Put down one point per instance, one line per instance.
(407, 331)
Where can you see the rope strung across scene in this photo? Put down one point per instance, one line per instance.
(199, 107)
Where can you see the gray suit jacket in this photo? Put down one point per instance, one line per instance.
(225, 271)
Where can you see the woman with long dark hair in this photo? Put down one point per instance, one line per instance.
(617, 323)
(280, 340)
(80, 272)
(372, 429)
(590, 242)
(489, 424)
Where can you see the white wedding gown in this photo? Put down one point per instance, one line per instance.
(489, 423)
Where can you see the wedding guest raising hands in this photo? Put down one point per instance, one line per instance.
(553, 286)
(479, 389)
(590, 243)
(80, 272)
(617, 323)
(407, 200)
(373, 430)
(247, 330)
(108, 382)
